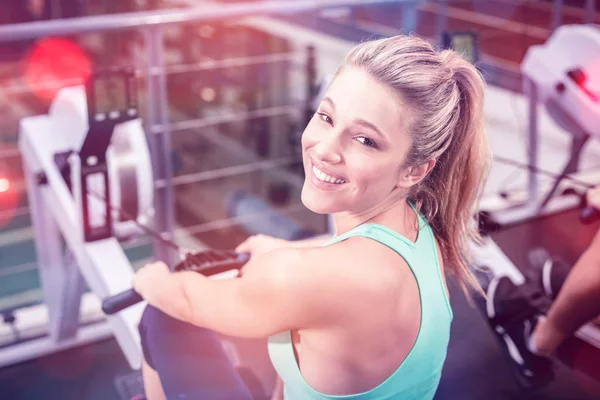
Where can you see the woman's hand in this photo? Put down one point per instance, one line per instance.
(149, 279)
(593, 197)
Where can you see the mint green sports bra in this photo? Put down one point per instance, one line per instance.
(419, 374)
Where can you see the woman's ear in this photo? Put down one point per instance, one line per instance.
(412, 175)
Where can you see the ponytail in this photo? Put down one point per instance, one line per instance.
(449, 196)
(445, 94)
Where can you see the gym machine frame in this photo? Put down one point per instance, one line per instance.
(57, 178)
(566, 99)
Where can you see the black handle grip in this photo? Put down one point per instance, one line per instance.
(589, 215)
(120, 301)
(217, 263)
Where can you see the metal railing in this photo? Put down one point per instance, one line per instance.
(151, 23)
(152, 19)
(158, 125)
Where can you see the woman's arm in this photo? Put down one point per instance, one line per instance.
(578, 301)
(293, 288)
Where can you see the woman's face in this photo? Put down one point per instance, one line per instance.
(354, 146)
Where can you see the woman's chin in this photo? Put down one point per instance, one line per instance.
(315, 202)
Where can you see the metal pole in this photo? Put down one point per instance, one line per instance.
(409, 17)
(48, 246)
(70, 301)
(532, 144)
(202, 12)
(55, 9)
(442, 19)
(556, 14)
(571, 167)
(311, 83)
(354, 17)
(160, 144)
(590, 12)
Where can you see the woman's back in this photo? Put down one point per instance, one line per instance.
(393, 343)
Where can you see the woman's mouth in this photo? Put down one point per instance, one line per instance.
(323, 181)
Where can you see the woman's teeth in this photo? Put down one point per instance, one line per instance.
(322, 176)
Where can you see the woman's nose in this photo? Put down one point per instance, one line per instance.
(328, 150)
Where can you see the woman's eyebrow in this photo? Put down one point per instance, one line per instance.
(328, 100)
(370, 126)
(361, 122)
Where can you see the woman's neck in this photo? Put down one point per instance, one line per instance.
(398, 216)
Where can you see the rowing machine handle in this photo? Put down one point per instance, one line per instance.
(114, 304)
(589, 215)
(208, 263)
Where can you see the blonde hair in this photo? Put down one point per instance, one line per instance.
(445, 94)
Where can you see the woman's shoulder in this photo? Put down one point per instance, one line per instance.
(367, 260)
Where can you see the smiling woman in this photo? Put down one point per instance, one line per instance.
(395, 110)
(396, 153)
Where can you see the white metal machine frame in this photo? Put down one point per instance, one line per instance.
(56, 215)
(575, 106)
(548, 74)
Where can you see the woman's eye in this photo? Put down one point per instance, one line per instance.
(326, 118)
(367, 142)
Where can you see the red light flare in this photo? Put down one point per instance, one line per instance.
(12, 186)
(54, 63)
(4, 185)
(10, 197)
(592, 83)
